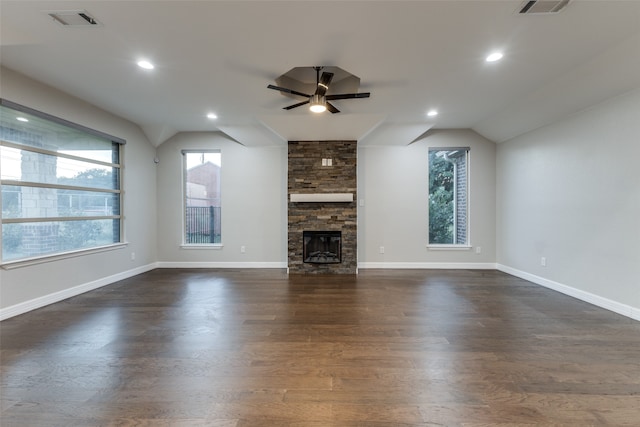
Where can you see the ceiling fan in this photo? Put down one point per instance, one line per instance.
(319, 100)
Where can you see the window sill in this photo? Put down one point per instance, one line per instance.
(10, 265)
(212, 246)
(449, 247)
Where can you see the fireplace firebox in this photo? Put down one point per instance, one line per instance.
(322, 247)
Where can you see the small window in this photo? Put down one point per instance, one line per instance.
(448, 196)
(60, 185)
(202, 201)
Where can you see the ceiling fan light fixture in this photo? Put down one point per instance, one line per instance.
(317, 104)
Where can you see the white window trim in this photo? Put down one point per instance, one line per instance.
(202, 246)
(39, 259)
(455, 246)
(451, 247)
(184, 244)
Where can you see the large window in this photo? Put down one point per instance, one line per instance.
(60, 185)
(448, 191)
(202, 205)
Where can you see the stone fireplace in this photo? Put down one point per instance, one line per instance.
(322, 208)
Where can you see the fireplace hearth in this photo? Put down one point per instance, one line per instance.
(322, 247)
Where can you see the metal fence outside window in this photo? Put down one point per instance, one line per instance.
(202, 224)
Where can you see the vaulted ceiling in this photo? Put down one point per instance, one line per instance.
(413, 56)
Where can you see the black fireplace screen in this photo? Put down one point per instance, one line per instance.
(322, 247)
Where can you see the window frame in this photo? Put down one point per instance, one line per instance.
(452, 246)
(118, 190)
(185, 244)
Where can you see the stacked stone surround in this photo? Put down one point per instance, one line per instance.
(307, 175)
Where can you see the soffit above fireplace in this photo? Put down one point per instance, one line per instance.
(294, 126)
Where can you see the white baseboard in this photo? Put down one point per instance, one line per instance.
(596, 300)
(221, 264)
(429, 265)
(45, 300)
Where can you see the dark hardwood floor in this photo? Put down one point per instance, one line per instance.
(251, 348)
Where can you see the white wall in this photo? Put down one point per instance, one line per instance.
(570, 192)
(393, 183)
(254, 204)
(29, 287)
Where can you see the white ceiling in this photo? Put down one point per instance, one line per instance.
(411, 55)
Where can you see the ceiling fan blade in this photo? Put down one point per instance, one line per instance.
(323, 83)
(296, 105)
(291, 91)
(348, 96)
(332, 108)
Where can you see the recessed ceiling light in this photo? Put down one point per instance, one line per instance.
(432, 113)
(146, 64)
(212, 116)
(495, 56)
(22, 119)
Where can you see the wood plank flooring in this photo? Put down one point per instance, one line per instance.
(253, 348)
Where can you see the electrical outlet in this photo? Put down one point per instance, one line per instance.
(381, 249)
(543, 261)
(478, 249)
(243, 249)
(133, 256)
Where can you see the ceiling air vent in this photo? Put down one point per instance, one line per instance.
(73, 18)
(537, 7)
